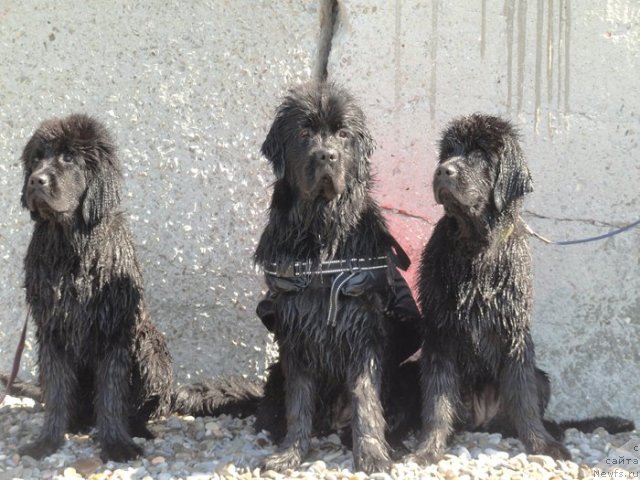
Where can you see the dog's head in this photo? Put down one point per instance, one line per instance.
(319, 142)
(481, 166)
(70, 171)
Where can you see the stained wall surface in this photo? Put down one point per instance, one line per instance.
(188, 89)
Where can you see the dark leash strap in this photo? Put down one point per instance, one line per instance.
(530, 231)
(337, 284)
(399, 256)
(16, 359)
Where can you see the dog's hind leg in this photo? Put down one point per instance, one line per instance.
(519, 391)
(370, 449)
(112, 404)
(299, 403)
(441, 397)
(56, 369)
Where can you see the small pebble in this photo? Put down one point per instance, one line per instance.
(70, 472)
(271, 474)
(87, 466)
(544, 460)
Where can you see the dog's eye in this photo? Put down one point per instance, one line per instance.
(343, 133)
(305, 133)
(66, 158)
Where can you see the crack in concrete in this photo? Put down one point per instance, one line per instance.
(405, 213)
(330, 11)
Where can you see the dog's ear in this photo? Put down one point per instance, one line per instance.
(513, 180)
(90, 139)
(365, 147)
(102, 194)
(273, 147)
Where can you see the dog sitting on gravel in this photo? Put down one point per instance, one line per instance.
(330, 264)
(101, 360)
(478, 368)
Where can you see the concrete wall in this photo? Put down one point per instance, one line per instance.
(188, 88)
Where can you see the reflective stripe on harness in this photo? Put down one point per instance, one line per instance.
(328, 267)
(361, 271)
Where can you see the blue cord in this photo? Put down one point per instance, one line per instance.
(588, 239)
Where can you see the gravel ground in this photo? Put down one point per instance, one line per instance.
(227, 447)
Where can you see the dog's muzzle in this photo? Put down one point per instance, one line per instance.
(331, 187)
(445, 179)
(38, 189)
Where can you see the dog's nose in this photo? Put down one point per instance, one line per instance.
(446, 169)
(325, 155)
(38, 179)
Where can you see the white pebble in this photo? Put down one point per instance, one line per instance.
(544, 460)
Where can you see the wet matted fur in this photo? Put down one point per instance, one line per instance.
(99, 356)
(400, 392)
(321, 209)
(101, 360)
(478, 368)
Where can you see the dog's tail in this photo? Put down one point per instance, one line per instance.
(611, 424)
(329, 15)
(235, 395)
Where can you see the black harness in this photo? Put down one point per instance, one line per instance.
(351, 277)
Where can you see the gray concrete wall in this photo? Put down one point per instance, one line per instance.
(188, 88)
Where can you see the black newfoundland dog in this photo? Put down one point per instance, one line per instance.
(478, 368)
(99, 355)
(101, 360)
(341, 314)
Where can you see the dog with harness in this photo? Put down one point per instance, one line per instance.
(341, 313)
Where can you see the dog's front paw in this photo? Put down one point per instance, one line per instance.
(41, 448)
(372, 463)
(370, 455)
(423, 458)
(282, 460)
(426, 454)
(120, 451)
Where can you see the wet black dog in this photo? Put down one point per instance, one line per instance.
(329, 264)
(332, 410)
(478, 367)
(101, 360)
(98, 353)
